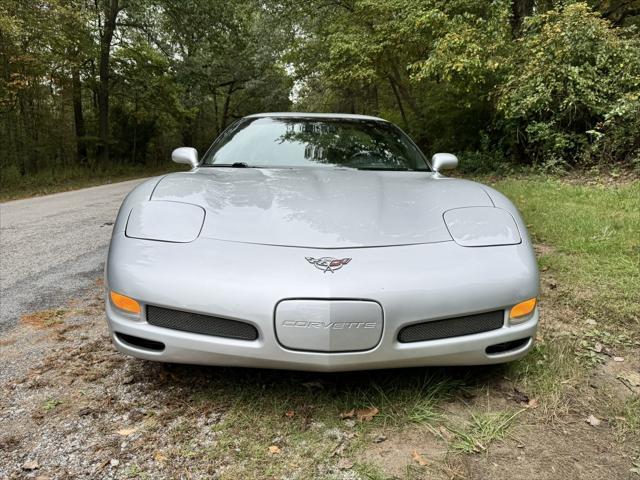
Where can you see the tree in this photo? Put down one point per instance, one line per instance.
(107, 12)
(570, 71)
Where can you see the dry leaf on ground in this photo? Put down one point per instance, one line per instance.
(419, 458)
(366, 414)
(160, 457)
(274, 449)
(593, 421)
(30, 465)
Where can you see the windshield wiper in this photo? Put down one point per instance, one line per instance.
(233, 165)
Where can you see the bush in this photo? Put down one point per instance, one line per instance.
(573, 80)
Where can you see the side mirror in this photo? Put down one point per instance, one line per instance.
(186, 155)
(444, 161)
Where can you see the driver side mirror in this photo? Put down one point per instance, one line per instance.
(444, 161)
(186, 155)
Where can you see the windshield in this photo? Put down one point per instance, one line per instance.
(305, 142)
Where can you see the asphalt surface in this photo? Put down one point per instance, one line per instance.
(53, 247)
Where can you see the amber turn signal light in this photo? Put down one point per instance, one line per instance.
(523, 308)
(125, 303)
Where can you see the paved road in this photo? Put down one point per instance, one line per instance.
(54, 246)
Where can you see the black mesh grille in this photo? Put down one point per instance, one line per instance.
(452, 327)
(197, 323)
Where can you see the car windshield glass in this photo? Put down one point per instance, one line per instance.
(305, 142)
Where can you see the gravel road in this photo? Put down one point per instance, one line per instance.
(52, 247)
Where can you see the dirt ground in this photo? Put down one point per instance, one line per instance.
(72, 407)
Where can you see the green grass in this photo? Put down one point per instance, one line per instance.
(483, 429)
(64, 179)
(50, 404)
(594, 237)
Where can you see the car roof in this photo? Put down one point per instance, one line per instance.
(346, 116)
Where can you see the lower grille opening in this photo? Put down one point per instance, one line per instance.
(507, 346)
(140, 342)
(452, 327)
(198, 323)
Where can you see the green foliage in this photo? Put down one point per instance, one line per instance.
(573, 75)
(179, 72)
(561, 88)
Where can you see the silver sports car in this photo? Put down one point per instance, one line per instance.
(319, 242)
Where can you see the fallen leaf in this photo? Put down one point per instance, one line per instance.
(125, 432)
(533, 403)
(366, 414)
(274, 449)
(593, 421)
(345, 464)
(160, 457)
(289, 414)
(419, 458)
(30, 465)
(349, 414)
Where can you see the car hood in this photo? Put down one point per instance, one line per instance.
(321, 207)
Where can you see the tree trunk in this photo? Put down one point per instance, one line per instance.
(404, 90)
(519, 10)
(112, 9)
(227, 102)
(405, 124)
(78, 116)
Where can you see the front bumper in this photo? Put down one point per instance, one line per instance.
(246, 281)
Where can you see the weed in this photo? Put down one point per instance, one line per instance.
(484, 429)
(50, 404)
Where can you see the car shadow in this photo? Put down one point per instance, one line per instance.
(295, 389)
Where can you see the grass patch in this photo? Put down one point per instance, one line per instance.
(545, 373)
(482, 430)
(596, 246)
(626, 417)
(301, 414)
(73, 178)
(51, 404)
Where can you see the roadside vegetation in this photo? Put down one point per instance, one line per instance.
(99, 89)
(570, 409)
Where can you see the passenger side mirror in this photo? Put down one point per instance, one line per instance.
(186, 155)
(444, 161)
